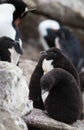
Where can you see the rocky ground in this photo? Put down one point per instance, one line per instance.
(30, 53)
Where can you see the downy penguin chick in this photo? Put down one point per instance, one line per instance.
(61, 96)
(50, 59)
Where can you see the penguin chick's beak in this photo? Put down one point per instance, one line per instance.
(43, 53)
(17, 21)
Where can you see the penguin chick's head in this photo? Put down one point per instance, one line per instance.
(20, 8)
(54, 58)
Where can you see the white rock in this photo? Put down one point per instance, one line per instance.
(27, 67)
(9, 121)
(14, 89)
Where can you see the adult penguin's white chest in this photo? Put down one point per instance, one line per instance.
(7, 30)
(6, 19)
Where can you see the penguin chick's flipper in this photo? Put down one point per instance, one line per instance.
(34, 86)
(61, 96)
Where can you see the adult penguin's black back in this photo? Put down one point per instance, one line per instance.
(71, 47)
(61, 95)
(54, 59)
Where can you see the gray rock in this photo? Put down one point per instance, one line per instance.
(39, 120)
(27, 67)
(14, 89)
(63, 10)
(9, 121)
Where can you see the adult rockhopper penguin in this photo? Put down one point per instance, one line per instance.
(11, 12)
(53, 34)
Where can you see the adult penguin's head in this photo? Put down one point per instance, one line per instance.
(21, 9)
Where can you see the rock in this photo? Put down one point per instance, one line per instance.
(79, 125)
(31, 4)
(9, 121)
(27, 67)
(28, 27)
(14, 89)
(57, 9)
(38, 120)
